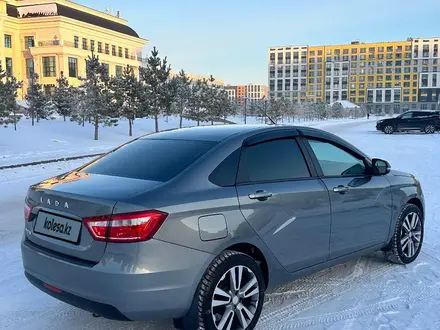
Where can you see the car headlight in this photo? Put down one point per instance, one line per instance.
(379, 121)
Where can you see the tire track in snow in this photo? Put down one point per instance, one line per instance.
(323, 292)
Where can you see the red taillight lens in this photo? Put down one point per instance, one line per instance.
(127, 227)
(27, 210)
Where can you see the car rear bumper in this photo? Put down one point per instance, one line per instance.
(157, 281)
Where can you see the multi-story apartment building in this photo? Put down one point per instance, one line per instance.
(250, 92)
(400, 74)
(232, 92)
(53, 36)
(256, 92)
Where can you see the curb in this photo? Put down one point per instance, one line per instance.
(64, 159)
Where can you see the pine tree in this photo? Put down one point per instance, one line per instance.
(126, 96)
(36, 100)
(337, 110)
(155, 86)
(182, 84)
(8, 94)
(97, 94)
(195, 111)
(79, 107)
(62, 97)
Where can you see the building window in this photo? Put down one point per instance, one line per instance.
(76, 42)
(424, 80)
(99, 47)
(92, 45)
(113, 50)
(8, 41)
(424, 106)
(49, 66)
(49, 89)
(118, 71)
(107, 67)
(29, 67)
(29, 42)
(126, 53)
(107, 49)
(84, 43)
(9, 70)
(120, 51)
(73, 67)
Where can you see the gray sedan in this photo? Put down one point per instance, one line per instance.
(197, 224)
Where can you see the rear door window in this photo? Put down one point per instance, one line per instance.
(277, 160)
(150, 159)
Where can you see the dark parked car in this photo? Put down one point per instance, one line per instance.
(423, 120)
(197, 224)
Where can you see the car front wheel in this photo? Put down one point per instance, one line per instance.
(389, 129)
(229, 297)
(407, 240)
(429, 129)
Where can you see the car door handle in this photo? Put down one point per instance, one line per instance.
(261, 195)
(341, 189)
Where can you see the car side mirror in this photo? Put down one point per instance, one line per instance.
(380, 166)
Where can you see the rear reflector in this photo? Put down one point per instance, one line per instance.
(52, 288)
(127, 227)
(27, 211)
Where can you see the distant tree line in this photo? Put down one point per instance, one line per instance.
(102, 100)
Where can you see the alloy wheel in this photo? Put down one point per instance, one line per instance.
(388, 129)
(411, 234)
(235, 299)
(430, 129)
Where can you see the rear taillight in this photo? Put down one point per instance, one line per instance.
(27, 211)
(127, 227)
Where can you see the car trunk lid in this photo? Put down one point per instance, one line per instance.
(60, 204)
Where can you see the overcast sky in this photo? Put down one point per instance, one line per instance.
(230, 39)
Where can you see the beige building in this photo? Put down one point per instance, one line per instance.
(53, 36)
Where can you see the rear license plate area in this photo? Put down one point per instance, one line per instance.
(57, 227)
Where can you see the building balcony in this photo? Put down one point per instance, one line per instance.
(40, 46)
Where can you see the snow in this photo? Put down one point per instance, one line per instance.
(365, 293)
(54, 139)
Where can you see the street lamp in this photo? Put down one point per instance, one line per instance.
(245, 109)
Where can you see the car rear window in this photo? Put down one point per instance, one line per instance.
(150, 159)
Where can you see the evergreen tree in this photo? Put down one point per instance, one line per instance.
(195, 111)
(8, 94)
(182, 84)
(156, 91)
(97, 94)
(79, 108)
(36, 100)
(126, 96)
(62, 97)
(337, 110)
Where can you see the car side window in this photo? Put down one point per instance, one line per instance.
(408, 115)
(277, 160)
(225, 173)
(335, 161)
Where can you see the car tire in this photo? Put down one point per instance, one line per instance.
(407, 239)
(429, 129)
(217, 278)
(388, 129)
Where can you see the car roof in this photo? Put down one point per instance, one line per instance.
(215, 133)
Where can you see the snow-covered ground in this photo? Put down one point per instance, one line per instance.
(366, 293)
(54, 139)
